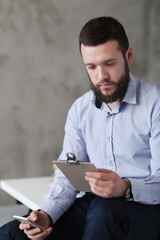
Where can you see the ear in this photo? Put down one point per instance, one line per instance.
(129, 55)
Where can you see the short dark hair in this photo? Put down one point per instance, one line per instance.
(102, 29)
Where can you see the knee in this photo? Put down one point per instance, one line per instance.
(104, 219)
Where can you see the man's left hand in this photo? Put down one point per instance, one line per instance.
(106, 183)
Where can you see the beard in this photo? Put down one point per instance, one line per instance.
(120, 88)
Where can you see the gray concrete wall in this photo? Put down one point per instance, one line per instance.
(41, 72)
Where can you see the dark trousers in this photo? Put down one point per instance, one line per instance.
(96, 218)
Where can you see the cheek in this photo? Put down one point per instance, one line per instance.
(115, 74)
(92, 77)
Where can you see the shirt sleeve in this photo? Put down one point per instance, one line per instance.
(148, 190)
(62, 193)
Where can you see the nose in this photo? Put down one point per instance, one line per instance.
(101, 73)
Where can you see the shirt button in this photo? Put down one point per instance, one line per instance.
(111, 163)
(137, 196)
(109, 138)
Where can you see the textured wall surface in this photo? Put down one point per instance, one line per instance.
(41, 72)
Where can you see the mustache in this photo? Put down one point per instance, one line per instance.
(105, 81)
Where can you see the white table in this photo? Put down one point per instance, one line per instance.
(29, 191)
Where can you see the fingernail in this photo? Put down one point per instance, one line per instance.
(87, 173)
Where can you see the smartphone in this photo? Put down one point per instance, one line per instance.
(26, 220)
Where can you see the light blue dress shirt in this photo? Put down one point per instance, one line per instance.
(125, 140)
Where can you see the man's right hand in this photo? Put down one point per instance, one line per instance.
(40, 218)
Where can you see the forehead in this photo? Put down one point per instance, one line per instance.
(101, 52)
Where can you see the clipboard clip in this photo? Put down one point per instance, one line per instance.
(71, 158)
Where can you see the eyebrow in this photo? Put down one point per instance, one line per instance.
(105, 61)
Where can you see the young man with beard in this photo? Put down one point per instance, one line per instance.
(117, 126)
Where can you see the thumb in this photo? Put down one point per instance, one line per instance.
(104, 170)
(34, 216)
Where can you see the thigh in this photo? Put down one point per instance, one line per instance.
(117, 218)
(71, 224)
(142, 221)
(104, 220)
(11, 231)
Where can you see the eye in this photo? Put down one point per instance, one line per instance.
(109, 64)
(90, 67)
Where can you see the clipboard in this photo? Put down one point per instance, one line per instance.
(75, 171)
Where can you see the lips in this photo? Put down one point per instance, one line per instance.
(105, 85)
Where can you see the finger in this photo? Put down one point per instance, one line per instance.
(32, 231)
(24, 226)
(104, 177)
(104, 170)
(99, 175)
(100, 191)
(41, 235)
(101, 170)
(49, 230)
(96, 181)
(35, 236)
(33, 216)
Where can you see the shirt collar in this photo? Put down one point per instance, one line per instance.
(131, 94)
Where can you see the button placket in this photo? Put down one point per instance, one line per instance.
(109, 142)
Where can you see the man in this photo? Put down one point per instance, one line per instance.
(116, 126)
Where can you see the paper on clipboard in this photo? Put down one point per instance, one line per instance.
(75, 172)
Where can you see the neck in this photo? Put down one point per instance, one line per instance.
(113, 104)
